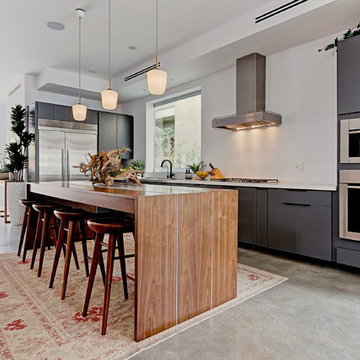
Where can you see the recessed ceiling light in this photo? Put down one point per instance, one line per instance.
(144, 89)
(132, 47)
(92, 71)
(171, 79)
(54, 25)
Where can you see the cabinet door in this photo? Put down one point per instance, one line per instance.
(62, 112)
(348, 79)
(107, 131)
(45, 110)
(282, 222)
(262, 217)
(92, 117)
(247, 216)
(314, 231)
(124, 134)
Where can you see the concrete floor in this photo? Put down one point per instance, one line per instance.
(313, 315)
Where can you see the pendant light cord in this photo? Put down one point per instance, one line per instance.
(157, 33)
(79, 60)
(109, 45)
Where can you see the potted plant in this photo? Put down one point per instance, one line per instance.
(196, 168)
(138, 166)
(17, 161)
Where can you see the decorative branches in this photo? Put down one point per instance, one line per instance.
(106, 167)
(350, 33)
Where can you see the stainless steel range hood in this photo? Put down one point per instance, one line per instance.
(250, 97)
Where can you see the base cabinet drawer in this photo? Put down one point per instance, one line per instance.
(348, 257)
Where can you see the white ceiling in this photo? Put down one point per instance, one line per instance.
(28, 46)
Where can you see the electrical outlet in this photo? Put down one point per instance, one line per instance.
(299, 167)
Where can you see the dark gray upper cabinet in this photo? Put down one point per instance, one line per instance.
(300, 222)
(348, 76)
(247, 216)
(124, 133)
(62, 112)
(45, 110)
(107, 131)
(115, 132)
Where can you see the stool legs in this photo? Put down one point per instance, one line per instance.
(59, 246)
(97, 253)
(84, 247)
(36, 240)
(109, 274)
(43, 242)
(23, 229)
(28, 233)
(69, 250)
(121, 250)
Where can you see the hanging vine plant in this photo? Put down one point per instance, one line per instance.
(349, 34)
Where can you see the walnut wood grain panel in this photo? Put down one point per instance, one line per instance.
(225, 246)
(194, 254)
(155, 265)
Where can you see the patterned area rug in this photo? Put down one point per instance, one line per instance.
(36, 324)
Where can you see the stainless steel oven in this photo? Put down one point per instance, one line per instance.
(350, 141)
(349, 206)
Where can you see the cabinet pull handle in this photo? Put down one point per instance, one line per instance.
(294, 204)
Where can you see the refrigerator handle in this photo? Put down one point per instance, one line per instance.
(68, 165)
(62, 165)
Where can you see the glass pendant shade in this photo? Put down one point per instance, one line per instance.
(109, 99)
(156, 80)
(79, 112)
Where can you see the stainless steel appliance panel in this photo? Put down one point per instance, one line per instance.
(349, 205)
(78, 145)
(350, 141)
(51, 155)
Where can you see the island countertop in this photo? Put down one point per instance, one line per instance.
(185, 245)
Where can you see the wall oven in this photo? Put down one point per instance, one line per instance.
(350, 141)
(349, 204)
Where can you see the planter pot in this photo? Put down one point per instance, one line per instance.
(4, 176)
(16, 191)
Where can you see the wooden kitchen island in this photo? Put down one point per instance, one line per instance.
(185, 245)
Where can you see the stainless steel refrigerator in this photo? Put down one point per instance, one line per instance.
(61, 146)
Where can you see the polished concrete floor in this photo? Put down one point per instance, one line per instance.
(313, 315)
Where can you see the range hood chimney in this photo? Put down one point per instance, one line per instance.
(250, 97)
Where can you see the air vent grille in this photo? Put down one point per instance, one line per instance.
(279, 10)
(140, 72)
(16, 88)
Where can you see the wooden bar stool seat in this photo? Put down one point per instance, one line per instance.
(116, 229)
(46, 231)
(72, 229)
(26, 230)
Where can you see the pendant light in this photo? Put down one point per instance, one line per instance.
(157, 78)
(79, 110)
(109, 97)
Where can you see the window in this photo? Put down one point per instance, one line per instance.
(177, 130)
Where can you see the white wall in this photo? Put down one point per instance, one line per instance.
(301, 85)
(3, 119)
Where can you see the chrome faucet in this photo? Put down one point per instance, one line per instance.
(170, 174)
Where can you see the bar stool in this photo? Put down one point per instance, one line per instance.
(45, 229)
(72, 220)
(115, 229)
(26, 227)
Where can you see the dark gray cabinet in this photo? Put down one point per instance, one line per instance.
(300, 222)
(62, 112)
(348, 76)
(45, 110)
(247, 216)
(116, 131)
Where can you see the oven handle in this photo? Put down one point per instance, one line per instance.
(354, 131)
(353, 186)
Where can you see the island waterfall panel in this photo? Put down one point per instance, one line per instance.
(155, 265)
(194, 254)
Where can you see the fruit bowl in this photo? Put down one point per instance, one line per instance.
(202, 174)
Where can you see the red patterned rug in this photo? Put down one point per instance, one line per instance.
(36, 324)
